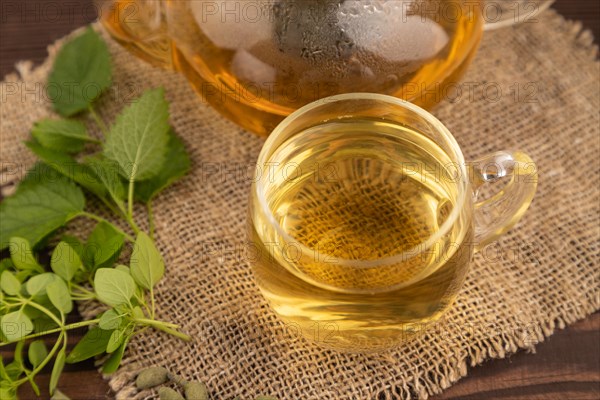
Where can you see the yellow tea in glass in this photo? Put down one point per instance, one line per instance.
(364, 218)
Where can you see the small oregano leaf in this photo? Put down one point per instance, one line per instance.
(147, 266)
(92, 344)
(36, 286)
(16, 325)
(81, 72)
(59, 364)
(6, 264)
(65, 261)
(113, 362)
(113, 287)
(37, 352)
(111, 319)
(116, 339)
(58, 395)
(22, 255)
(65, 135)
(138, 139)
(59, 296)
(137, 312)
(103, 245)
(9, 283)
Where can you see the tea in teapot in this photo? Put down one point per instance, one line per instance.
(258, 61)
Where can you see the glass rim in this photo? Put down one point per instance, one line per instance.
(396, 258)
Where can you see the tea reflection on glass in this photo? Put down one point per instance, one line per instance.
(363, 219)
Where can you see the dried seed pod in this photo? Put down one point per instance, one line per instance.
(166, 393)
(151, 377)
(196, 391)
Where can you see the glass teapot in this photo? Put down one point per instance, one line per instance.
(257, 61)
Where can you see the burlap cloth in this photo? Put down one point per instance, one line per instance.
(543, 275)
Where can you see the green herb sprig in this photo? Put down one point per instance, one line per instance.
(130, 165)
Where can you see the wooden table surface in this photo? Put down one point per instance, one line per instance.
(565, 367)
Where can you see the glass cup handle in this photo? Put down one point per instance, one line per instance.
(511, 178)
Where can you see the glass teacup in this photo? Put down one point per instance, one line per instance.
(365, 217)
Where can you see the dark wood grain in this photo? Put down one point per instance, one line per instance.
(566, 366)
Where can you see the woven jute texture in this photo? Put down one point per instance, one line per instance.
(541, 276)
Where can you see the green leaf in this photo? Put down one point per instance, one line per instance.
(123, 268)
(4, 377)
(65, 261)
(16, 325)
(37, 352)
(117, 338)
(14, 370)
(35, 313)
(36, 286)
(75, 244)
(113, 362)
(43, 323)
(69, 168)
(59, 364)
(137, 312)
(111, 319)
(104, 245)
(80, 73)
(38, 208)
(22, 276)
(113, 287)
(65, 135)
(59, 296)
(92, 344)
(108, 173)
(18, 354)
(8, 393)
(138, 139)
(147, 267)
(9, 284)
(22, 255)
(176, 167)
(6, 264)
(58, 395)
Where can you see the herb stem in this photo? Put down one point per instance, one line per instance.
(98, 120)
(170, 331)
(44, 310)
(142, 301)
(100, 219)
(118, 211)
(81, 289)
(46, 360)
(130, 199)
(133, 225)
(152, 303)
(56, 330)
(155, 323)
(30, 377)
